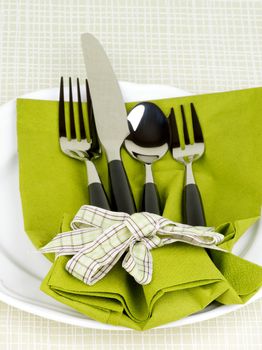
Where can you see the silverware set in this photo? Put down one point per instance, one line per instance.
(101, 123)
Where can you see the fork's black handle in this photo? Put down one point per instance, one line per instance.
(151, 202)
(192, 206)
(97, 196)
(120, 187)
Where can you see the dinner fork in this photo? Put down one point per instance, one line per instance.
(82, 145)
(187, 152)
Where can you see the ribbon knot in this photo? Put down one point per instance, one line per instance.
(99, 238)
(141, 225)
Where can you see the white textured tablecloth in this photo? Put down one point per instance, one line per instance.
(200, 46)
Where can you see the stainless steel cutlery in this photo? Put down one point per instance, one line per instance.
(111, 117)
(148, 139)
(79, 145)
(187, 152)
(102, 125)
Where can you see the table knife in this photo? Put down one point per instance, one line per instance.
(110, 117)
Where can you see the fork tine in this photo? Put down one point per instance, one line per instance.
(173, 131)
(186, 136)
(91, 119)
(198, 136)
(62, 124)
(71, 111)
(80, 112)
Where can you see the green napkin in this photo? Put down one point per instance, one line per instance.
(185, 278)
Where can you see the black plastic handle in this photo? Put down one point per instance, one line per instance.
(192, 206)
(151, 202)
(120, 187)
(97, 196)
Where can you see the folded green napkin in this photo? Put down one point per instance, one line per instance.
(185, 278)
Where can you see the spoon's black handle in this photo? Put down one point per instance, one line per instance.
(151, 202)
(120, 187)
(192, 206)
(97, 196)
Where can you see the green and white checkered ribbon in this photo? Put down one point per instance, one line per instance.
(99, 238)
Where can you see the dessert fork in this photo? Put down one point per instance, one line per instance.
(187, 152)
(83, 146)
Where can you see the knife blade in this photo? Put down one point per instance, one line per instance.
(110, 116)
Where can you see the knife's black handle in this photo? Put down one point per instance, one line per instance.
(192, 206)
(97, 196)
(120, 187)
(151, 202)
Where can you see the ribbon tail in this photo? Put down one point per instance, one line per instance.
(138, 263)
(89, 270)
(196, 236)
(69, 243)
(95, 260)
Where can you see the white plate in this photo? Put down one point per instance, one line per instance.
(22, 268)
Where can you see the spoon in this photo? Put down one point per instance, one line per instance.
(147, 143)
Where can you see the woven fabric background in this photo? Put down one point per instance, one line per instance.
(196, 45)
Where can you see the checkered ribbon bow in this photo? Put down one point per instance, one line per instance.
(99, 238)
